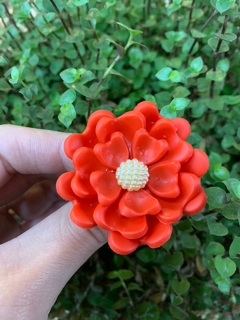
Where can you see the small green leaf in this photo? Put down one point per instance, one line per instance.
(197, 34)
(70, 75)
(223, 64)
(217, 75)
(180, 287)
(146, 255)
(174, 76)
(125, 274)
(224, 5)
(216, 228)
(14, 75)
(84, 90)
(233, 186)
(196, 64)
(132, 32)
(179, 103)
(134, 286)
(221, 172)
(213, 43)
(180, 92)
(234, 249)
(230, 211)
(121, 303)
(214, 248)
(164, 73)
(136, 57)
(68, 96)
(67, 115)
(3, 61)
(225, 266)
(216, 103)
(168, 112)
(175, 260)
(216, 197)
(224, 284)
(79, 3)
(226, 36)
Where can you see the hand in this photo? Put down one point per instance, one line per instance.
(40, 247)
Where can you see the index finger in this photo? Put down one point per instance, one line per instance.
(31, 151)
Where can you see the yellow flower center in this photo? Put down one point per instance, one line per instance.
(132, 175)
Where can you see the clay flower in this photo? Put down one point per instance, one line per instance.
(135, 176)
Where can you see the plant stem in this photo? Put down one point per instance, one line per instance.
(67, 29)
(190, 14)
(13, 21)
(224, 27)
(201, 30)
(11, 36)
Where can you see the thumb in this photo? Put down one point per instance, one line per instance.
(36, 265)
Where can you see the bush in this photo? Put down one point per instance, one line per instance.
(62, 60)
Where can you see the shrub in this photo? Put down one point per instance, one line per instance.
(62, 60)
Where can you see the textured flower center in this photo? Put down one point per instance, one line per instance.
(132, 175)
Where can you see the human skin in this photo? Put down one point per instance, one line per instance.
(41, 253)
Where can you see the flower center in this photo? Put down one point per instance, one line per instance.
(132, 175)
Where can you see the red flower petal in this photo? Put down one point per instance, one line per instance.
(105, 184)
(138, 203)
(82, 213)
(196, 204)
(158, 233)
(129, 123)
(146, 148)
(172, 209)
(178, 149)
(85, 162)
(183, 127)
(105, 128)
(198, 164)
(109, 218)
(150, 112)
(163, 180)
(63, 186)
(112, 153)
(121, 245)
(164, 129)
(88, 138)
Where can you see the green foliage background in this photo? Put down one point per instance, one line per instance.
(61, 60)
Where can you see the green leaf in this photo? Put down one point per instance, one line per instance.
(4, 86)
(168, 112)
(179, 103)
(217, 75)
(234, 249)
(224, 5)
(121, 274)
(86, 77)
(70, 75)
(226, 36)
(136, 57)
(14, 75)
(2, 11)
(81, 107)
(3, 61)
(68, 96)
(134, 286)
(79, 3)
(175, 260)
(230, 211)
(180, 287)
(216, 197)
(197, 34)
(223, 64)
(175, 35)
(231, 100)
(196, 64)
(216, 228)
(121, 303)
(85, 91)
(174, 76)
(233, 186)
(93, 13)
(67, 115)
(94, 299)
(146, 255)
(224, 284)
(214, 248)
(225, 266)
(213, 43)
(77, 35)
(163, 74)
(132, 32)
(221, 172)
(180, 92)
(115, 285)
(216, 103)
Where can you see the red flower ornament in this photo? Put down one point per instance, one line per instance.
(135, 176)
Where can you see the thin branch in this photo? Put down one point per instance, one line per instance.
(13, 21)
(224, 27)
(11, 36)
(190, 14)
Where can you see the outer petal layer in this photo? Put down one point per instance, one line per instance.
(109, 218)
(64, 186)
(198, 164)
(183, 127)
(82, 213)
(105, 184)
(121, 245)
(172, 209)
(158, 233)
(163, 180)
(150, 112)
(138, 203)
(146, 148)
(196, 204)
